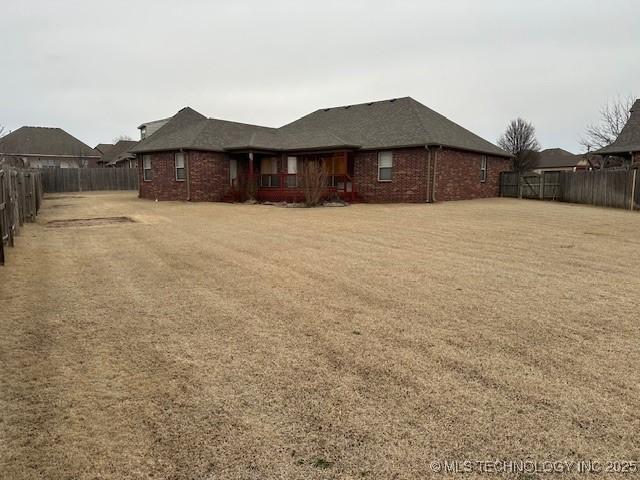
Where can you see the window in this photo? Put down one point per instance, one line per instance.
(143, 133)
(292, 170)
(180, 175)
(385, 166)
(146, 168)
(233, 171)
(483, 169)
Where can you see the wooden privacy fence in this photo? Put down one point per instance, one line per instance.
(20, 200)
(87, 179)
(605, 188)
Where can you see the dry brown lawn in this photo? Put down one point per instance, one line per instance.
(217, 341)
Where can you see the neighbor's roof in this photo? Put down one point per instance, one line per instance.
(153, 122)
(45, 141)
(120, 151)
(556, 158)
(103, 147)
(629, 138)
(395, 123)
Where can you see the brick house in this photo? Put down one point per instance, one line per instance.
(119, 155)
(387, 151)
(627, 145)
(42, 147)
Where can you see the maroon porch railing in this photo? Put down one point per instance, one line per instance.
(285, 186)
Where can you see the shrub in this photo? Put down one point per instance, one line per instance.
(313, 181)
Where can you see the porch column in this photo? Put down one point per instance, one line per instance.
(251, 190)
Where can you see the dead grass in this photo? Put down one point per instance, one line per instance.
(236, 341)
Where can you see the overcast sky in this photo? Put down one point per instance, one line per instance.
(100, 68)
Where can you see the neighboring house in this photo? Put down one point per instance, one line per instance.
(627, 145)
(120, 156)
(387, 151)
(48, 147)
(557, 159)
(149, 128)
(103, 147)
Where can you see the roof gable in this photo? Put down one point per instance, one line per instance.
(45, 141)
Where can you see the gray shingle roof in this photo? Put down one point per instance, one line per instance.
(393, 123)
(119, 151)
(45, 141)
(556, 158)
(629, 138)
(103, 147)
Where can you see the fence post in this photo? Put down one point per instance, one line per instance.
(519, 185)
(633, 190)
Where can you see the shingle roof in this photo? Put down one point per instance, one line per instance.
(45, 141)
(629, 138)
(103, 147)
(556, 158)
(119, 151)
(392, 123)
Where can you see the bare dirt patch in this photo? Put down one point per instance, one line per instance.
(87, 222)
(234, 341)
(62, 197)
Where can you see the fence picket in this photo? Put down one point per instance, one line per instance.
(605, 188)
(89, 179)
(20, 200)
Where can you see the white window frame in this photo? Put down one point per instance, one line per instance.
(385, 156)
(176, 167)
(483, 169)
(146, 159)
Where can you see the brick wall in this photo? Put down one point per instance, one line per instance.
(209, 176)
(458, 175)
(409, 176)
(163, 184)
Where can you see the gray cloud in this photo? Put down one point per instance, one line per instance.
(98, 69)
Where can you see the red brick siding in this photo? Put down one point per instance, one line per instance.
(209, 176)
(458, 175)
(163, 184)
(408, 183)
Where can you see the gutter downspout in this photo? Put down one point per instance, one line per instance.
(428, 178)
(188, 172)
(435, 169)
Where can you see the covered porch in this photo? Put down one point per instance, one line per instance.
(280, 177)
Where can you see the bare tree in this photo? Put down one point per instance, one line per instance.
(121, 137)
(519, 139)
(613, 117)
(313, 182)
